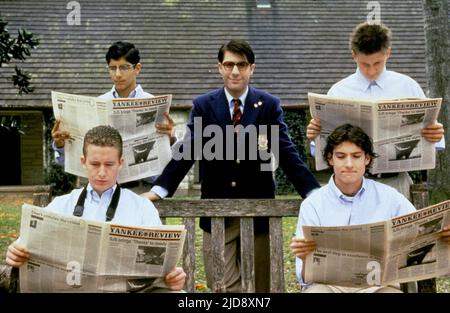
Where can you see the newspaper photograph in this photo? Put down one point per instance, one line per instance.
(406, 248)
(394, 126)
(70, 254)
(135, 119)
(144, 155)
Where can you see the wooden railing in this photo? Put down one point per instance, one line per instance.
(246, 210)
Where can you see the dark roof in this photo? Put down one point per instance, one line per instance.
(300, 46)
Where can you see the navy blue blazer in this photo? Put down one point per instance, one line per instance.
(232, 177)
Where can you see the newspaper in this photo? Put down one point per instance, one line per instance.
(393, 124)
(406, 248)
(69, 254)
(146, 152)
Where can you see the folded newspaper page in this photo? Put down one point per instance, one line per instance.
(393, 124)
(70, 254)
(146, 152)
(406, 248)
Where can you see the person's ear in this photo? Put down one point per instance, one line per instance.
(137, 68)
(388, 53)
(354, 54)
(121, 161)
(330, 160)
(367, 160)
(252, 68)
(220, 68)
(83, 161)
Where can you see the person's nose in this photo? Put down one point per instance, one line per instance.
(102, 171)
(371, 71)
(118, 72)
(235, 70)
(348, 162)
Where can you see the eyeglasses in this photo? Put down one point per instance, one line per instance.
(229, 66)
(122, 68)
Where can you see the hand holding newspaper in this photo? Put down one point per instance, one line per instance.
(406, 248)
(146, 152)
(69, 254)
(393, 124)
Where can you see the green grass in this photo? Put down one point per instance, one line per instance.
(289, 225)
(10, 225)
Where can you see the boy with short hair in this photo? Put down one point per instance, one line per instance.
(370, 46)
(103, 199)
(123, 63)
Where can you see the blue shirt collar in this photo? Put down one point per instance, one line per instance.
(380, 81)
(93, 195)
(339, 194)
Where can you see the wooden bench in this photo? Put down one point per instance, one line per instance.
(246, 209)
(275, 209)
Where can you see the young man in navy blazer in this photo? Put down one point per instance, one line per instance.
(235, 176)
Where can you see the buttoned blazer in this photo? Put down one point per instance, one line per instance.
(233, 176)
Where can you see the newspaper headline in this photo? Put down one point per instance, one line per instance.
(394, 125)
(70, 254)
(405, 248)
(146, 152)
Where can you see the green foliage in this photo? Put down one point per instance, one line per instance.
(55, 176)
(418, 177)
(60, 181)
(17, 49)
(22, 81)
(296, 121)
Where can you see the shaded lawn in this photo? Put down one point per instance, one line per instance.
(9, 225)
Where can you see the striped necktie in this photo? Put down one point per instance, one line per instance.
(237, 111)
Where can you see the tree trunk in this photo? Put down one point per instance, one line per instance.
(437, 53)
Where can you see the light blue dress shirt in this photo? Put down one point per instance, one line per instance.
(328, 206)
(388, 85)
(132, 209)
(137, 93)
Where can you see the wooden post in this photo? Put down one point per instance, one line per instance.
(420, 199)
(189, 254)
(42, 196)
(218, 253)
(276, 255)
(247, 255)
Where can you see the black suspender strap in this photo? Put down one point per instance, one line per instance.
(79, 207)
(113, 205)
